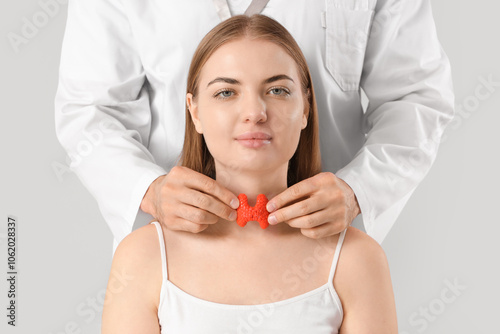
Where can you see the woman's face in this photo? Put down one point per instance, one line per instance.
(249, 86)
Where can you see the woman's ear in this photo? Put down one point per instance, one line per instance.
(193, 111)
(305, 116)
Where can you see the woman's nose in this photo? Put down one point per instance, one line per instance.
(254, 108)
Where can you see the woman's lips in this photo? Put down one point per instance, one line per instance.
(254, 143)
(254, 135)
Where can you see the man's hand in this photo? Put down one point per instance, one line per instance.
(321, 206)
(187, 200)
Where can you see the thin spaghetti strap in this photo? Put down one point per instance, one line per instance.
(336, 256)
(162, 250)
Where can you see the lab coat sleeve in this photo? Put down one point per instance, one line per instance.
(407, 79)
(102, 111)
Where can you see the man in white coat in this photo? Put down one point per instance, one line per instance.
(122, 84)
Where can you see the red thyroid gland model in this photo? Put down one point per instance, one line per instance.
(247, 213)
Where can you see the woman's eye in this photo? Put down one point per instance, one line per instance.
(280, 91)
(223, 94)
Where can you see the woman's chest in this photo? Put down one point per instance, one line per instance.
(246, 275)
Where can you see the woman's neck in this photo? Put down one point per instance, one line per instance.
(270, 182)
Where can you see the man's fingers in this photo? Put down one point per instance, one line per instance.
(292, 194)
(210, 186)
(290, 213)
(201, 196)
(195, 215)
(207, 203)
(186, 225)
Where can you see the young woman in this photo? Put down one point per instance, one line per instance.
(249, 79)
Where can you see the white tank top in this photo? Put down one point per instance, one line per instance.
(318, 311)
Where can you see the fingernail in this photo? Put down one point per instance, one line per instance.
(235, 203)
(271, 207)
(232, 216)
(272, 220)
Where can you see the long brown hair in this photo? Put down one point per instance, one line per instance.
(306, 161)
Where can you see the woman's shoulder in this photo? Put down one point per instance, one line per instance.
(362, 269)
(134, 284)
(360, 254)
(141, 243)
(138, 254)
(358, 243)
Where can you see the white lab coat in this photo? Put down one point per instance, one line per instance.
(119, 108)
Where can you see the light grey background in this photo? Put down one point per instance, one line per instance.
(447, 234)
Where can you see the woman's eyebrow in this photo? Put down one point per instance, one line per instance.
(236, 82)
